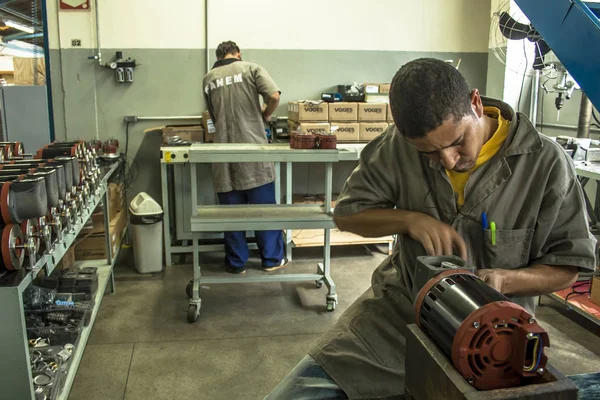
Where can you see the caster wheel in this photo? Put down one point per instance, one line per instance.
(193, 314)
(189, 289)
(319, 284)
(331, 304)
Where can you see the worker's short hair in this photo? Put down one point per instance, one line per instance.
(225, 48)
(425, 93)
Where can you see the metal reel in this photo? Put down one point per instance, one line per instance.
(31, 229)
(12, 245)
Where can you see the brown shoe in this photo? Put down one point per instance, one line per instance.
(281, 265)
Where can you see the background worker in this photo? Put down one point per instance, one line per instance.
(231, 90)
(452, 156)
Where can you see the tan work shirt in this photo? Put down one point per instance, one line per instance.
(231, 92)
(529, 188)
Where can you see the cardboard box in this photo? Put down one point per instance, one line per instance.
(377, 98)
(370, 130)
(116, 197)
(390, 117)
(372, 112)
(305, 111)
(209, 127)
(67, 260)
(384, 88)
(93, 246)
(343, 112)
(313, 128)
(595, 294)
(191, 133)
(346, 131)
(371, 88)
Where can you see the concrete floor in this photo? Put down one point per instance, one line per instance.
(248, 336)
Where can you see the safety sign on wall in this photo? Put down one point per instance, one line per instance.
(74, 4)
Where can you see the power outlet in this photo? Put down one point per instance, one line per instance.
(75, 42)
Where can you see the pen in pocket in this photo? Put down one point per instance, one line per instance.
(493, 229)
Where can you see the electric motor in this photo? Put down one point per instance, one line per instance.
(493, 342)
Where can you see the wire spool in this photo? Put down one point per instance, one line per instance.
(53, 152)
(492, 342)
(51, 182)
(73, 163)
(12, 244)
(60, 178)
(4, 202)
(17, 147)
(7, 151)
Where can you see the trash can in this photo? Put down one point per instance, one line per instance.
(145, 220)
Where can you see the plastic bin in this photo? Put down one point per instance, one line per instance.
(145, 218)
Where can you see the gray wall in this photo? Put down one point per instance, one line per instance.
(88, 102)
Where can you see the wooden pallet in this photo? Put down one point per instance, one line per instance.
(315, 238)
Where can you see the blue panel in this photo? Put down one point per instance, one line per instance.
(572, 30)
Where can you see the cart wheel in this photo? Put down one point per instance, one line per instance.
(193, 313)
(189, 289)
(331, 305)
(319, 284)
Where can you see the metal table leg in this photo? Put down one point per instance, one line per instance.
(332, 298)
(277, 183)
(164, 182)
(288, 200)
(109, 249)
(195, 301)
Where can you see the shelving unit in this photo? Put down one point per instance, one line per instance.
(254, 217)
(16, 377)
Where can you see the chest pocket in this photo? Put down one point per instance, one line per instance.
(511, 250)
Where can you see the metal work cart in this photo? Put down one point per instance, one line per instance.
(254, 217)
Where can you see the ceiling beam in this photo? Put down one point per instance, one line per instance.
(18, 14)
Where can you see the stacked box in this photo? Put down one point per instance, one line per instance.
(92, 246)
(309, 117)
(308, 111)
(346, 131)
(343, 112)
(312, 128)
(370, 130)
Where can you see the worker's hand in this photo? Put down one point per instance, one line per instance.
(495, 278)
(438, 238)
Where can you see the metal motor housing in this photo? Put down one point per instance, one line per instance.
(490, 340)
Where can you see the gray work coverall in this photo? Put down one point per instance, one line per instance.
(231, 92)
(529, 188)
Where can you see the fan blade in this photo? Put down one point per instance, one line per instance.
(541, 49)
(512, 29)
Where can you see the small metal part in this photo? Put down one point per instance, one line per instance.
(540, 371)
(42, 379)
(470, 380)
(531, 320)
(530, 336)
(449, 265)
(476, 325)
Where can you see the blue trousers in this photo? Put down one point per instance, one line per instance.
(270, 243)
(307, 381)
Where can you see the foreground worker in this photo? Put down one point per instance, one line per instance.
(468, 177)
(231, 90)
